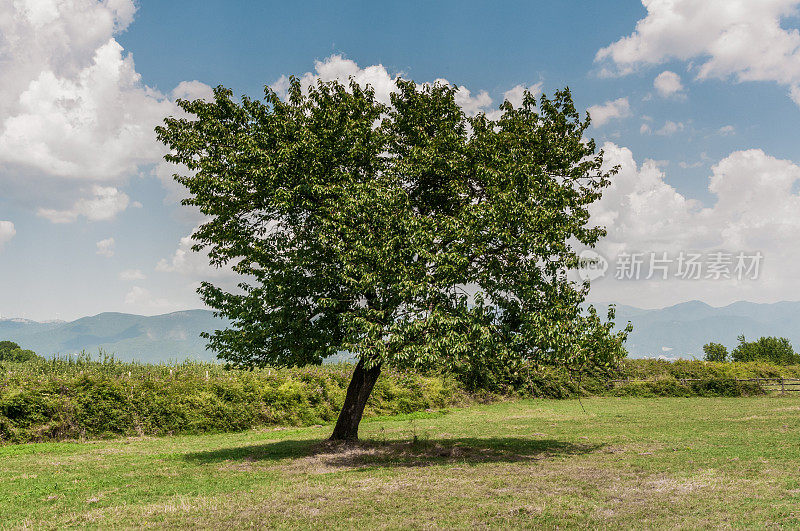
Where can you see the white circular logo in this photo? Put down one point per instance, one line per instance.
(591, 265)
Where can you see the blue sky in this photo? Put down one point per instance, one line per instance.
(699, 102)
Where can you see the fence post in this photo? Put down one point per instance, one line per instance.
(783, 390)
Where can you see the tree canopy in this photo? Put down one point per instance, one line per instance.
(10, 351)
(6, 346)
(410, 234)
(715, 352)
(773, 349)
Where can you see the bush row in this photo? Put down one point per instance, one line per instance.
(56, 401)
(648, 378)
(644, 369)
(79, 398)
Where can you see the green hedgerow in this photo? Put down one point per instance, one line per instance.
(77, 397)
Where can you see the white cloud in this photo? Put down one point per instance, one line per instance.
(7, 231)
(640, 206)
(601, 114)
(337, 67)
(132, 274)
(755, 210)
(644, 129)
(472, 105)
(515, 95)
(726, 130)
(190, 263)
(193, 90)
(144, 299)
(670, 128)
(106, 204)
(742, 39)
(95, 125)
(668, 84)
(72, 106)
(106, 247)
(794, 93)
(659, 163)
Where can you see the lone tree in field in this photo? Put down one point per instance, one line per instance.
(409, 235)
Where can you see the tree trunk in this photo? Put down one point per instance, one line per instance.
(357, 394)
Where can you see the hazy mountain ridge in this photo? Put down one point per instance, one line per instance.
(682, 330)
(172, 336)
(675, 331)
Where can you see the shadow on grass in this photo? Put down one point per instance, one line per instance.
(418, 452)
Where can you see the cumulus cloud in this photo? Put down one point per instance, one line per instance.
(338, 68)
(794, 93)
(106, 202)
(756, 209)
(601, 114)
(193, 90)
(106, 247)
(726, 38)
(668, 84)
(132, 274)
(144, 299)
(670, 128)
(190, 263)
(7, 231)
(515, 95)
(627, 207)
(72, 106)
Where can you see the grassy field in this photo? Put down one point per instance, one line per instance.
(634, 462)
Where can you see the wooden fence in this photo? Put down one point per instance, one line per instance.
(784, 385)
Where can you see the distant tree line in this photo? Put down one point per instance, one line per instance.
(776, 350)
(10, 351)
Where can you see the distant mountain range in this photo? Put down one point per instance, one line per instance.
(678, 331)
(172, 336)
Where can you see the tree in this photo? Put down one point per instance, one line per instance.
(10, 351)
(409, 235)
(772, 349)
(7, 346)
(715, 352)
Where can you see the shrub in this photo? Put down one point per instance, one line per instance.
(6, 346)
(715, 352)
(652, 389)
(10, 351)
(708, 387)
(726, 387)
(77, 397)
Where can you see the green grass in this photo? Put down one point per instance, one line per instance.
(633, 462)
